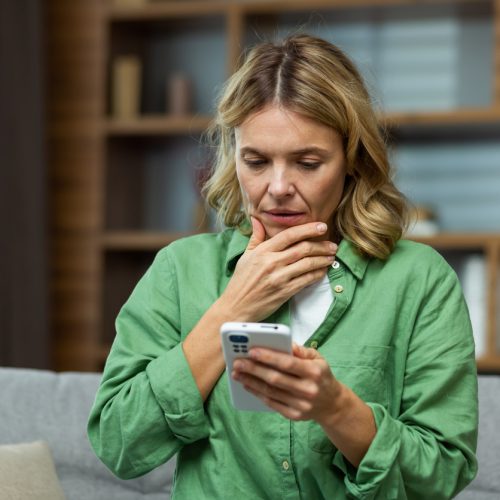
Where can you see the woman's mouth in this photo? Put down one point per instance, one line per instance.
(284, 217)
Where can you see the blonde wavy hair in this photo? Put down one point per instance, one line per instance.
(315, 78)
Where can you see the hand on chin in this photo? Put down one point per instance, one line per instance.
(273, 230)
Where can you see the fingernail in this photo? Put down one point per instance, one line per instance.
(333, 247)
(237, 365)
(321, 227)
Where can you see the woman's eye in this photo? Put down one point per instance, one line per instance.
(310, 165)
(257, 162)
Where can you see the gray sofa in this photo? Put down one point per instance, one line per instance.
(54, 407)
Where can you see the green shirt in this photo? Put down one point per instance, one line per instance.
(398, 334)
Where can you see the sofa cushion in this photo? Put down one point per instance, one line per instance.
(54, 407)
(486, 486)
(27, 472)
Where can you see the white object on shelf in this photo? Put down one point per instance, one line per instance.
(423, 221)
(423, 228)
(473, 278)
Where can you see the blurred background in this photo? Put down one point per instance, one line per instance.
(103, 104)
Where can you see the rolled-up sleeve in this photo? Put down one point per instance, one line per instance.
(426, 448)
(148, 405)
(176, 392)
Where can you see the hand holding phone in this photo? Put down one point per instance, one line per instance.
(237, 340)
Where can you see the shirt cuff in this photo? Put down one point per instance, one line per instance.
(365, 481)
(175, 390)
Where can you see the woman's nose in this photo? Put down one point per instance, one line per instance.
(280, 184)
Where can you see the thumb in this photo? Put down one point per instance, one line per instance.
(304, 352)
(258, 234)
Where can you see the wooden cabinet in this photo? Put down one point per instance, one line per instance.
(125, 187)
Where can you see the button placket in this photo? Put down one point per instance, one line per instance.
(347, 282)
(336, 271)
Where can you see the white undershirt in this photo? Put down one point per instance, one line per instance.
(309, 308)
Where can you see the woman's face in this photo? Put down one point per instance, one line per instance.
(291, 168)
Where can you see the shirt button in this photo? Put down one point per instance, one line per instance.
(336, 265)
(339, 288)
(285, 465)
(314, 344)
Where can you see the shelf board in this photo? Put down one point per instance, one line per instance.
(138, 240)
(156, 125)
(459, 240)
(458, 117)
(158, 11)
(490, 364)
(276, 6)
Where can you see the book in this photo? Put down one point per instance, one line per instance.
(126, 86)
(128, 3)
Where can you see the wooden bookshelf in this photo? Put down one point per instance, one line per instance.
(468, 117)
(160, 125)
(488, 365)
(460, 240)
(488, 245)
(278, 6)
(165, 10)
(75, 39)
(100, 163)
(138, 241)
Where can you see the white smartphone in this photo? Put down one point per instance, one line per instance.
(237, 340)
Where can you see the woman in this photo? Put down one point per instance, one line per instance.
(379, 397)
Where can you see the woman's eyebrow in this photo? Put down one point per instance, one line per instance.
(297, 152)
(311, 150)
(248, 150)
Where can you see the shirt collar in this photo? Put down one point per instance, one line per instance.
(347, 254)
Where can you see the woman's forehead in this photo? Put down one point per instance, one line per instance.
(277, 127)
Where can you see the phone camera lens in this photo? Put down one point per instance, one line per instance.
(238, 339)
